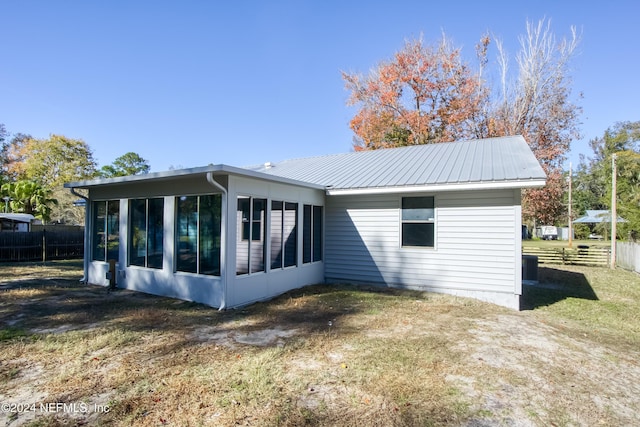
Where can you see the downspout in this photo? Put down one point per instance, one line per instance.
(87, 236)
(223, 239)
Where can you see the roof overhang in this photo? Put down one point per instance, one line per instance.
(437, 188)
(17, 217)
(183, 173)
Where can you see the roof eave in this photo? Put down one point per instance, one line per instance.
(215, 169)
(436, 188)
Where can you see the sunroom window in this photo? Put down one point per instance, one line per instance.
(106, 230)
(284, 234)
(312, 234)
(146, 232)
(198, 228)
(250, 246)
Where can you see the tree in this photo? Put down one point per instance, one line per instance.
(3, 148)
(127, 164)
(12, 157)
(424, 94)
(593, 189)
(538, 106)
(428, 94)
(54, 161)
(50, 163)
(628, 194)
(29, 197)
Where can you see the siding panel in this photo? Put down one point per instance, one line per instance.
(475, 246)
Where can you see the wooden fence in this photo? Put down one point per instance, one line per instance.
(41, 245)
(592, 256)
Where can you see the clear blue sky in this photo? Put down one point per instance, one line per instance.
(188, 83)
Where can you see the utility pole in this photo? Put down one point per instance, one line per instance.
(570, 215)
(614, 209)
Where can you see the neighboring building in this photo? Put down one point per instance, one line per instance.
(442, 217)
(597, 217)
(16, 222)
(593, 217)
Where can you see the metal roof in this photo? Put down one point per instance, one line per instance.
(497, 161)
(182, 173)
(596, 217)
(17, 217)
(505, 162)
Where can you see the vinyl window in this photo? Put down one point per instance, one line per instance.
(418, 222)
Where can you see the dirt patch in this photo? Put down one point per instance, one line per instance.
(532, 371)
(231, 337)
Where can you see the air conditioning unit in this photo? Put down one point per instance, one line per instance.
(530, 268)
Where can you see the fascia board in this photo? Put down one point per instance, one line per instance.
(439, 188)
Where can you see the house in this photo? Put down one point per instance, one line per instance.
(443, 217)
(16, 222)
(597, 217)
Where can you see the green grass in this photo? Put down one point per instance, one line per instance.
(10, 333)
(597, 301)
(328, 355)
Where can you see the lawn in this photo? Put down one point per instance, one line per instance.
(72, 354)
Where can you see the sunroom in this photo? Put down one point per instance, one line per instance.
(218, 235)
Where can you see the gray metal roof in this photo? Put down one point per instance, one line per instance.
(491, 160)
(596, 217)
(17, 217)
(172, 175)
(496, 162)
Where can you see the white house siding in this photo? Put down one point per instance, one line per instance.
(476, 253)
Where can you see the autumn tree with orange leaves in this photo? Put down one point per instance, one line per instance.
(428, 94)
(425, 94)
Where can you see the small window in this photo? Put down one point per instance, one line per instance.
(418, 221)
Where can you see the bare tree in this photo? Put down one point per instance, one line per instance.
(537, 105)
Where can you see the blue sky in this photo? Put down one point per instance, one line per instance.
(188, 83)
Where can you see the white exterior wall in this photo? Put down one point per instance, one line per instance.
(210, 290)
(477, 249)
(166, 281)
(247, 288)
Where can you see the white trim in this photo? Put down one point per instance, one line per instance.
(498, 185)
(517, 216)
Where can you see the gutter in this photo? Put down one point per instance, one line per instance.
(223, 239)
(433, 188)
(87, 235)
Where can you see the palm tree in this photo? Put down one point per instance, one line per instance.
(29, 197)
